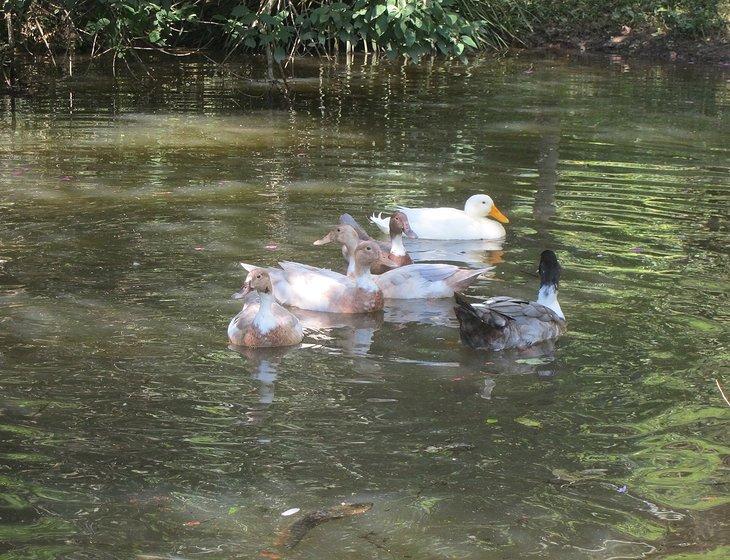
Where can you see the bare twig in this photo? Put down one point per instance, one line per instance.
(719, 387)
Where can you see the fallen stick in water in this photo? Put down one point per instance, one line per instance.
(294, 533)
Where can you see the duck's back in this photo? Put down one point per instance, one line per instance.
(449, 223)
(506, 322)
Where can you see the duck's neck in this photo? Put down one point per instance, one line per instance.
(396, 245)
(264, 319)
(548, 296)
(350, 245)
(363, 278)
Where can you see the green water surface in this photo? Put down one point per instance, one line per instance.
(128, 429)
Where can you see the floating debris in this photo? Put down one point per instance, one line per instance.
(452, 447)
(289, 512)
(292, 535)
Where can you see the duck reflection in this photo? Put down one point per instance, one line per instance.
(439, 312)
(481, 371)
(264, 366)
(350, 334)
(472, 252)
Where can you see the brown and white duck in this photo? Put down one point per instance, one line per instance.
(321, 289)
(262, 323)
(506, 322)
(413, 281)
(398, 226)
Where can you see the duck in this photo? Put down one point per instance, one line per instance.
(504, 322)
(450, 223)
(263, 323)
(413, 281)
(395, 250)
(321, 289)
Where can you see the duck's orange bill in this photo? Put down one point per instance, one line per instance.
(497, 215)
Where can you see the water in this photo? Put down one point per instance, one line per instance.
(129, 429)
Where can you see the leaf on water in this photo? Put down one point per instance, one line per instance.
(427, 504)
(529, 422)
(491, 421)
(193, 523)
(534, 361)
(289, 512)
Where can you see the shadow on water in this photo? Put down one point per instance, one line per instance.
(129, 429)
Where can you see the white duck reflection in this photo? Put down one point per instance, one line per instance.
(351, 334)
(439, 312)
(471, 252)
(263, 365)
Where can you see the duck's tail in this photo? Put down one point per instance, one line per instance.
(350, 221)
(382, 223)
(463, 278)
(477, 328)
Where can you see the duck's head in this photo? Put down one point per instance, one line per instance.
(342, 233)
(368, 253)
(481, 206)
(549, 269)
(257, 280)
(399, 224)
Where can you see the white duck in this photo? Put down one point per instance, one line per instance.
(413, 281)
(262, 323)
(450, 223)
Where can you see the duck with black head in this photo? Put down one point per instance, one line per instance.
(506, 322)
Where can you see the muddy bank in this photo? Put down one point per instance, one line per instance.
(628, 43)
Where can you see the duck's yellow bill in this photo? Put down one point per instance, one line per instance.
(497, 215)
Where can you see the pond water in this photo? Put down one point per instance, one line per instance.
(128, 428)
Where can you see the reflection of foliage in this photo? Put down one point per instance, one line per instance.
(684, 472)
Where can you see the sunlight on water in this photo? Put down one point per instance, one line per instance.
(128, 428)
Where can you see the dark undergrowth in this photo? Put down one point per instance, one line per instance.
(281, 29)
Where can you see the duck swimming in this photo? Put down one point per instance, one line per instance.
(450, 223)
(396, 252)
(321, 289)
(264, 323)
(505, 322)
(413, 281)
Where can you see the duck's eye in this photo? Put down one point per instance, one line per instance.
(369, 248)
(484, 201)
(338, 230)
(259, 276)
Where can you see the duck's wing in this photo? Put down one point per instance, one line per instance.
(503, 322)
(295, 268)
(421, 280)
(442, 223)
(317, 289)
(350, 221)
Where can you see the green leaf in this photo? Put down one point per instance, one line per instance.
(279, 53)
(468, 41)
(154, 35)
(529, 422)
